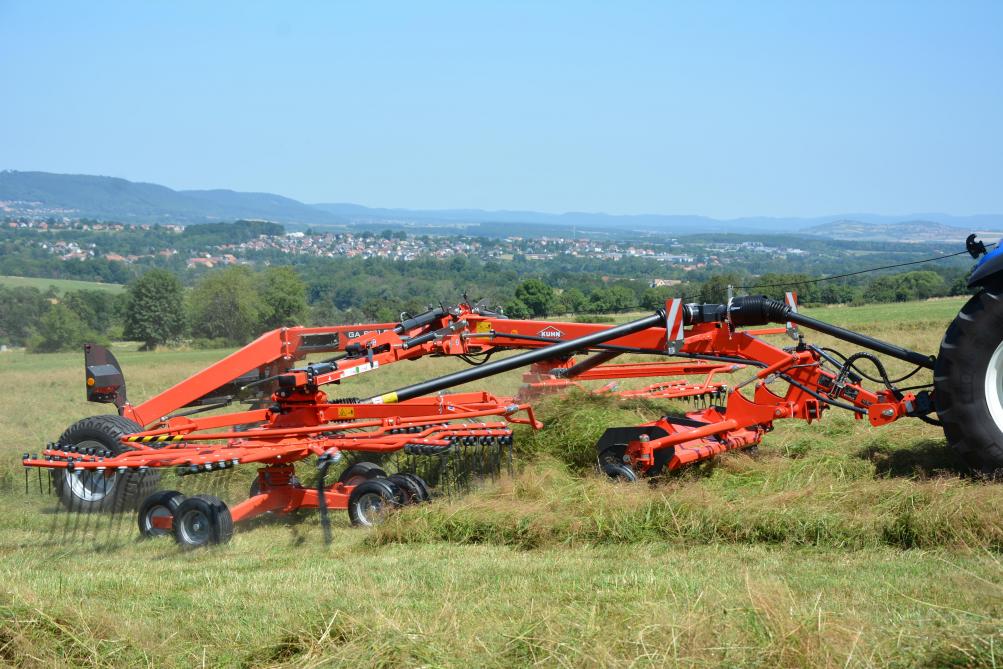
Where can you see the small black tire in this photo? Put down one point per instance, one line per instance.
(361, 471)
(969, 362)
(424, 490)
(371, 501)
(88, 490)
(202, 520)
(161, 503)
(619, 472)
(412, 492)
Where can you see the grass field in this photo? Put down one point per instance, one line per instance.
(838, 545)
(61, 285)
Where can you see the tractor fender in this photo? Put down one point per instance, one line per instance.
(989, 269)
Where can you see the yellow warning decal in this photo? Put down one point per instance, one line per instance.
(346, 412)
(483, 326)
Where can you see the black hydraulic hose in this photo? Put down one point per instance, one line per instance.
(521, 360)
(827, 400)
(324, 463)
(418, 340)
(861, 372)
(420, 320)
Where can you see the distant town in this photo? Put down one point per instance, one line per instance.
(60, 241)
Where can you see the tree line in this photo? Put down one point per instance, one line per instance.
(227, 307)
(231, 306)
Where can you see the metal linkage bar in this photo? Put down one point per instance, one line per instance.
(520, 360)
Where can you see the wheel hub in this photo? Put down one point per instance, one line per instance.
(371, 509)
(194, 527)
(90, 485)
(994, 386)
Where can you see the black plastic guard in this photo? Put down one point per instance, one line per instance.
(613, 444)
(104, 378)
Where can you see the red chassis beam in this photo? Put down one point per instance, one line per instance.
(460, 331)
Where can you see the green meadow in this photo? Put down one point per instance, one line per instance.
(835, 545)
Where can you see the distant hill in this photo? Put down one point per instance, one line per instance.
(110, 198)
(655, 223)
(128, 201)
(905, 231)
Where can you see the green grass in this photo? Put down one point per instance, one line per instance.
(839, 545)
(61, 285)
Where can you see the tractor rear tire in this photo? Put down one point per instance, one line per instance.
(88, 490)
(968, 383)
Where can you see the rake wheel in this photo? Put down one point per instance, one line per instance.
(202, 520)
(412, 491)
(360, 472)
(424, 492)
(160, 504)
(371, 501)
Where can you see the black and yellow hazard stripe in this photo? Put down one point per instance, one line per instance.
(157, 438)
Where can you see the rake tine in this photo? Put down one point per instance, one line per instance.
(60, 508)
(87, 518)
(112, 516)
(76, 514)
(26, 481)
(117, 512)
(323, 462)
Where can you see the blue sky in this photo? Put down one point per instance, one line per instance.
(721, 109)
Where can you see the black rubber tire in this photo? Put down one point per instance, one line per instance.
(619, 472)
(412, 492)
(389, 493)
(361, 471)
(202, 509)
(959, 382)
(128, 490)
(425, 491)
(160, 501)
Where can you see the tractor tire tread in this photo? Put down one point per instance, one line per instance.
(965, 351)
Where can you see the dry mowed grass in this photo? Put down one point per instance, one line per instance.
(838, 545)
